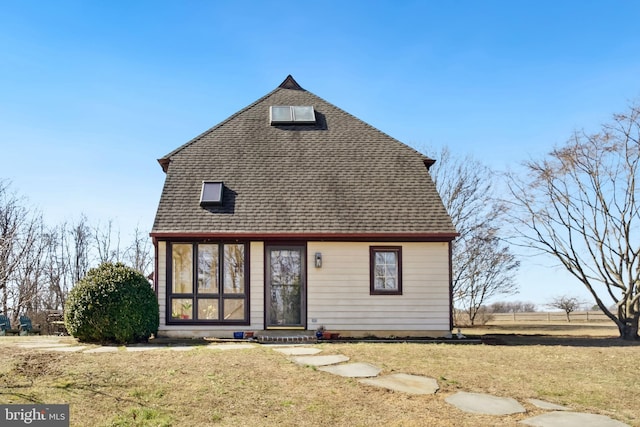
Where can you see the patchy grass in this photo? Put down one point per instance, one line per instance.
(260, 387)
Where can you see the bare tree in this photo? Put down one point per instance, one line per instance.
(580, 205)
(30, 274)
(58, 268)
(78, 247)
(18, 233)
(39, 265)
(483, 265)
(139, 255)
(489, 269)
(566, 303)
(107, 244)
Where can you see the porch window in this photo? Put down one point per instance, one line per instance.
(385, 270)
(207, 283)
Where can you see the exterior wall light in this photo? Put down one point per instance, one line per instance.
(318, 260)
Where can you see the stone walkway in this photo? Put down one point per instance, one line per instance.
(476, 403)
(336, 364)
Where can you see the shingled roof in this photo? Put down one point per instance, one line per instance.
(339, 176)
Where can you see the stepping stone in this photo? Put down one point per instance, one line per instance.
(229, 346)
(297, 351)
(353, 370)
(320, 360)
(182, 347)
(572, 419)
(547, 405)
(478, 403)
(144, 348)
(406, 383)
(44, 344)
(68, 349)
(103, 349)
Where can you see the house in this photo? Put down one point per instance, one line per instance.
(294, 214)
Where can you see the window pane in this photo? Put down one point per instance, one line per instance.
(281, 114)
(233, 309)
(234, 269)
(304, 114)
(182, 257)
(386, 271)
(211, 193)
(182, 308)
(208, 269)
(207, 309)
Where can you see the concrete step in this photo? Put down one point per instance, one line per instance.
(286, 337)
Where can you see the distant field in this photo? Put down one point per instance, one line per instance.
(525, 325)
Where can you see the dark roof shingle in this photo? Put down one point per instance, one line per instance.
(339, 176)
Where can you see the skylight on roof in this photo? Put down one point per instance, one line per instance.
(211, 193)
(292, 115)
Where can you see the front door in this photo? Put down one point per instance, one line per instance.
(285, 287)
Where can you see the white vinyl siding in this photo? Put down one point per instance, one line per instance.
(161, 286)
(339, 298)
(338, 293)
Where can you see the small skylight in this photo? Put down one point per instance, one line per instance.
(292, 115)
(211, 193)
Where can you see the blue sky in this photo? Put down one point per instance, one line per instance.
(92, 93)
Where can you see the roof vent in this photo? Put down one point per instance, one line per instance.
(290, 83)
(292, 115)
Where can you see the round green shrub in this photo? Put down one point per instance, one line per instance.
(112, 304)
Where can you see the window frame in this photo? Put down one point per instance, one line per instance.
(196, 295)
(207, 201)
(373, 250)
(292, 118)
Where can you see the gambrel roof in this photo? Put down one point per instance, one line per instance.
(337, 177)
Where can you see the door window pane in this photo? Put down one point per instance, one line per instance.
(208, 269)
(233, 269)
(182, 256)
(286, 267)
(285, 277)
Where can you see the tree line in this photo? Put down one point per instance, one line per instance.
(40, 263)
